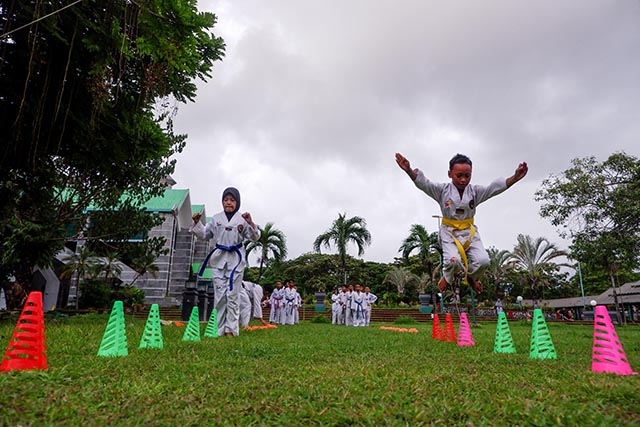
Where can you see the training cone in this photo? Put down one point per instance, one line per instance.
(211, 331)
(465, 339)
(607, 355)
(436, 328)
(192, 331)
(541, 344)
(114, 340)
(152, 335)
(449, 332)
(504, 340)
(27, 349)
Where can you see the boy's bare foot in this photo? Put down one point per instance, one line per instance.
(442, 284)
(476, 286)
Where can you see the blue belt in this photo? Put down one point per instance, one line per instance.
(234, 248)
(359, 309)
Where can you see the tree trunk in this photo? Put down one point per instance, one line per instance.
(615, 297)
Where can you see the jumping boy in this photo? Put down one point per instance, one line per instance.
(461, 244)
(229, 230)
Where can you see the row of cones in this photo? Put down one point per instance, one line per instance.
(608, 356)
(114, 340)
(27, 347)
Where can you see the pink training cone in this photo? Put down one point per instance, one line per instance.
(608, 355)
(465, 339)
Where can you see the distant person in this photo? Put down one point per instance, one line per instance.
(335, 307)
(229, 229)
(251, 303)
(498, 306)
(358, 306)
(459, 238)
(371, 299)
(277, 304)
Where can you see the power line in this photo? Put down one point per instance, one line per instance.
(39, 19)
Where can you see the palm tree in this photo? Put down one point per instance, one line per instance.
(425, 243)
(500, 263)
(110, 266)
(342, 231)
(400, 277)
(145, 264)
(271, 241)
(80, 262)
(534, 258)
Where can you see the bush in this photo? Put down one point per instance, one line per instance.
(320, 319)
(98, 294)
(405, 320)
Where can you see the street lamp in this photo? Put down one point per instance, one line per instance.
(439, 217)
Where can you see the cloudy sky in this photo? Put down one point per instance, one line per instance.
(314, 98)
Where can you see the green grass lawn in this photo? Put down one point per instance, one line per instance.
(318, 374)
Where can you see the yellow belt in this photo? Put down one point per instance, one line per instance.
(459, 225)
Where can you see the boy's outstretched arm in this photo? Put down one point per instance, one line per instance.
(520, 173)
(404, 164)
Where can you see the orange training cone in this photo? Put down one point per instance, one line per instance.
(607, 355)
(465, 339)
(436, 329)
(449, 332)
(27, 348)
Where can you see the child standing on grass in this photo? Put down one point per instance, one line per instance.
(461, 244)
(228, 229)
(371, 299)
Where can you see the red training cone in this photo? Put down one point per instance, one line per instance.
(465, 339)
(449, 332)
(27, 348)
(436, 329)
(607, 355)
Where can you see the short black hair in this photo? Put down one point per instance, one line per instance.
(459, 159)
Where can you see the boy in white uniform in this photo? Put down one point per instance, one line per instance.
(335, 307)
(250, 303)
(289, 303)
(228, 229)
(461, 244)
(371, 299)
(277, 296)
(358, 306)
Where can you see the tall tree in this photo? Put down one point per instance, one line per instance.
(271, 242)
(596, 206)
(342, 232)
(500, 264)
(425, 244)
(534, 258)
(88, 94)
(401, 277)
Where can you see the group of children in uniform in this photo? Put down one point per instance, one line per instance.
(352, 307)
(462, 247)
(285, 304)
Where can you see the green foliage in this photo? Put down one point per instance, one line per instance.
(95, 293)
(596, 205)
(272, 241)
(320, 319)
(342, 232)
(88, 97)
(405, 320)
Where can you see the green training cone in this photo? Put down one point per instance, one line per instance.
(211, 331)
(114, 340)
(541, 344)
(152, 335)
(504, 340)
(192, 332)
